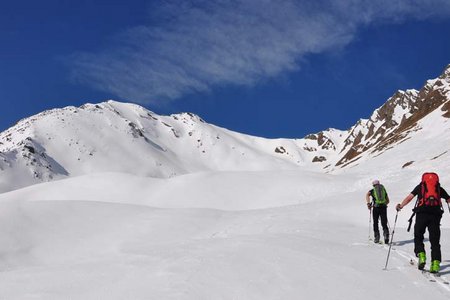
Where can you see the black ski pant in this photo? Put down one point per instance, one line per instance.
(432, 222)
(380, 213)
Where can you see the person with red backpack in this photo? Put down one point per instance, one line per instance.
(379, 202)
(428, 210)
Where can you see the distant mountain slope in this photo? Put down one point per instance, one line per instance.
(120, 137)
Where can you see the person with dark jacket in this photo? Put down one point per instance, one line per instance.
(378, 199)
(429, 212)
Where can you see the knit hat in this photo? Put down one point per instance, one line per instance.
(375, 182)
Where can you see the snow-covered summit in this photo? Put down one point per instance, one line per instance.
(122, 137)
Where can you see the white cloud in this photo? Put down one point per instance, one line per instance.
(198, 45)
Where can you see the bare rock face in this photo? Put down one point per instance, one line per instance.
(325, 142)
(446, 109)
(280, 150)
(320, 141)
(368, 133)
(394, 120)
(319, 159)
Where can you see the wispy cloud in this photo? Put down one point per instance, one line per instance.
(194, 46)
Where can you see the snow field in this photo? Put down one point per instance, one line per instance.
(221, 235)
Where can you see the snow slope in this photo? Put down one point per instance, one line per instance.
(278, 238)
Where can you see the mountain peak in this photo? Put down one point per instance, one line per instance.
(446, 73)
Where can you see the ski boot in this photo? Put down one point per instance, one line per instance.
(422, 260)
(435, 266)
(386, 238)
(376, 240)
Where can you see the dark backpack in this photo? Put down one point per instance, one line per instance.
(430, 190)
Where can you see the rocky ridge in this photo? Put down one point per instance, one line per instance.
(394, 121)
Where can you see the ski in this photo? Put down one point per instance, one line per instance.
(435, 277)
(439, 278)
(428, 276)
(432, 277)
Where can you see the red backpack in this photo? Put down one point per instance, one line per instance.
(430, 190)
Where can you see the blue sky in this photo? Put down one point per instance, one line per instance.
(279, 68)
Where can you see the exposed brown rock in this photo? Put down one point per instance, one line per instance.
(321, 139)
(418, 104)
(280, 150)
(350, 162)
(354, 151)
(446, 109)
(311, 137)
(371, 131)
(310, 149)
(407, 164)
(319, 159)
(325, 142)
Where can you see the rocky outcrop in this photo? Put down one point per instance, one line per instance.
(394, 120)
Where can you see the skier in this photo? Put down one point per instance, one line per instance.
(379, 202)
(428, 210)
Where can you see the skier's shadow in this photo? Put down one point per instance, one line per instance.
(402, 243)
(445, 267)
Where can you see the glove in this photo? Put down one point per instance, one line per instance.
(398, 207)
(369, 205)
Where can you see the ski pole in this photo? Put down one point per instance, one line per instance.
(390, 244)
(370, 224)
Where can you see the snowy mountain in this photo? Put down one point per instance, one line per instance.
(119, 137)
(170, 207)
